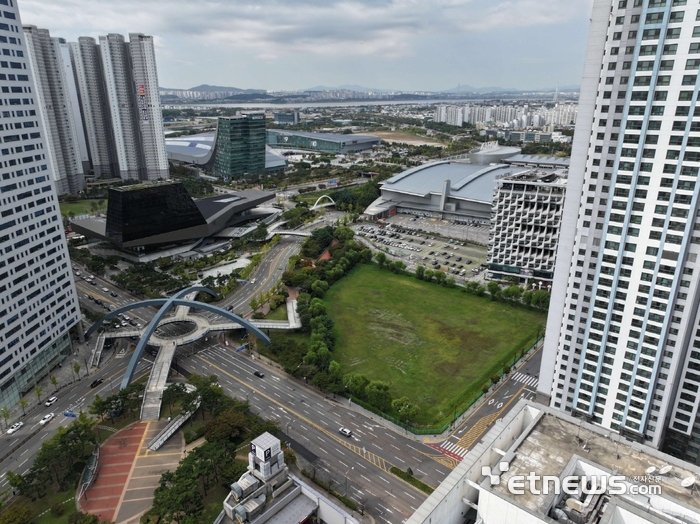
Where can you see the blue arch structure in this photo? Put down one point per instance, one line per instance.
(167, 305)
(321, 198)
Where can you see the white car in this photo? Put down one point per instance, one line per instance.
(253, 281)
(46, 419)
(345, 431)
(50, 401)
(14, 427)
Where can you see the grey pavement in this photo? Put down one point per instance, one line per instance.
(65, 377)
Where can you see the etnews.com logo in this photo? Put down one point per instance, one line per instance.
(571, 485)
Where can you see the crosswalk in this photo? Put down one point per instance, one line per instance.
(528, 380)
(454, 448)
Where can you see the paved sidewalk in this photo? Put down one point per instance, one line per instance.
(65, 377)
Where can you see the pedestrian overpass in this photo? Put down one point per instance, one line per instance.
(159, 372)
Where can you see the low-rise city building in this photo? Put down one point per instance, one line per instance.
(334, 143)
(269, 493)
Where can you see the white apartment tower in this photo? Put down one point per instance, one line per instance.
(150, 116)
(38, 299)
(57, 100)
(87, 64)
(622, 347)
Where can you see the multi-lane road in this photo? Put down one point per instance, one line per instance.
(311, 420)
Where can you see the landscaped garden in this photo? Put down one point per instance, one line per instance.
(437, 346)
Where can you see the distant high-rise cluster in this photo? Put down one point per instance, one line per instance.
(514, 117)
(101, 106)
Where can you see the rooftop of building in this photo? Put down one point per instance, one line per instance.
(145, 185)
(246, 199)
(331, 137)
(199, 146)
(539, 176)
(554, 442)
(539, 160)
(535, 440)
(468, 181)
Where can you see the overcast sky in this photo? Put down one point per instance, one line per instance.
(297, 44)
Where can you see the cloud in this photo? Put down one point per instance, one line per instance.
(275, 29)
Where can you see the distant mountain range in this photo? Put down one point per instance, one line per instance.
(462, 88)
(351, 87)
(206, 88)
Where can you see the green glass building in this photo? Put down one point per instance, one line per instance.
(240, 146)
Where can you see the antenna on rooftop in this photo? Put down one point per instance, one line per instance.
(665, 470)
(688, 482)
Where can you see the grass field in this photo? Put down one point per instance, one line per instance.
(406, 138)
(436, 346)
(81, 207)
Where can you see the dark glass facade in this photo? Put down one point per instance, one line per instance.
(240, 146)
(137, 212)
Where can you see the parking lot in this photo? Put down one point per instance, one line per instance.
(455, 257)
(462, 230)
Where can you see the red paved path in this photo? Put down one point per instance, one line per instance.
(117, 457)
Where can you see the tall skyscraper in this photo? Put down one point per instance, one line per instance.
(38, 300)
(150, 116)
(240, 145)
(622, 339)
(87, 64)
(57, 99)
(101, 106)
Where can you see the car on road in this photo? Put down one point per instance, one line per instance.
(50, 401)
(258, 374)
(345, 431)
(112, 293)
(14, 427)
(46, 419)
(97, 382)
(253, 280)
(92, 282)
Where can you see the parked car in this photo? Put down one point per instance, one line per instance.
(345, 431)
(258, 374)
(46, 419)
(14, 427)
(50, 401)
(97, 382)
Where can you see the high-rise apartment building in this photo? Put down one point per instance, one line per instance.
(622, 347)
(101, 107)
(38, 300)
(85, 57)
(57, 98)
(149, 114)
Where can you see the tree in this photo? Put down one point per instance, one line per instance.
(494, 290)
(405, 409)
(38, 390)
(356, 385)
(76, 368)
(23, 404)
(420, 272)
(512, 293)
(380, 258)
(378, 395)
(54, 383)
(17, 514)
(100, 407)
(226, 426)
(173, 394)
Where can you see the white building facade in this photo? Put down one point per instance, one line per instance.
(38, 299)
(619, 348)
(525, 223)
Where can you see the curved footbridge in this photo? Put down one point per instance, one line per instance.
(181, 305)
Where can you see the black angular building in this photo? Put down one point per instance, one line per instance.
(147, 216)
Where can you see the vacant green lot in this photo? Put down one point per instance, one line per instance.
(436, 346)
(81, 207)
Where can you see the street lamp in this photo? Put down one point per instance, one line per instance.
(346, 480)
